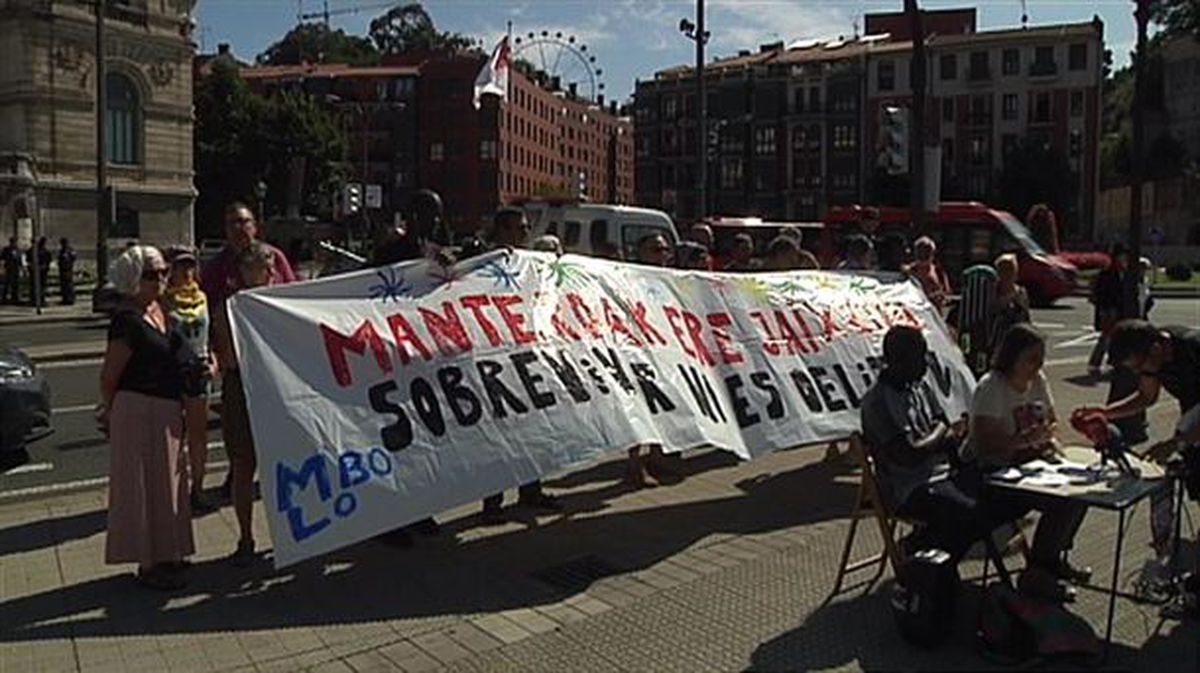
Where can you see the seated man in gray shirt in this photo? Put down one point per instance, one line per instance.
(912, 441)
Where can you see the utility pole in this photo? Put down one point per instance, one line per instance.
(103, 208)
(696, 33)
(701, 117)
(916, 144)
(1142, 16)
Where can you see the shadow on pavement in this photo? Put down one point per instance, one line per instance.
(440, 576)
(858, 631)
(52, 532)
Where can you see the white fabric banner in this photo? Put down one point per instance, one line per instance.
(383, 396)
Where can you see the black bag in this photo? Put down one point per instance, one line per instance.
(924, 597)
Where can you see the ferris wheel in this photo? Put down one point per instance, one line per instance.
(564, 59)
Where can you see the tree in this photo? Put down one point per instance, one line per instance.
(1177, 17)
(316, 43)
(1038, 173)
(409, 28)
(242, 138)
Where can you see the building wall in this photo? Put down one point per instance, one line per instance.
(47, 111)
(1181, 84)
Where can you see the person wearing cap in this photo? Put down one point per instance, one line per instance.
(187, 310)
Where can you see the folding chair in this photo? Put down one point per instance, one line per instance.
(869, 502)
(975, 316)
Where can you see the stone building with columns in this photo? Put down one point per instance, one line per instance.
(48, 120)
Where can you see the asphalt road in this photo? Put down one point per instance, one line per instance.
(51, 333)
(76, 452)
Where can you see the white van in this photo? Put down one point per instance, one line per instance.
(598, 229)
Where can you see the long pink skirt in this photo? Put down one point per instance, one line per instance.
(149, 514)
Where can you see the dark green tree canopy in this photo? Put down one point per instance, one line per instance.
(1177, 17)
(409, 28)
(1038, 173)
(316, 43)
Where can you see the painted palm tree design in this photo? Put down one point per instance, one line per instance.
(391, 286)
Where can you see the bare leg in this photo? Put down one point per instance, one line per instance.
(195, 417)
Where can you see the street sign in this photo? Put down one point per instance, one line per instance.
(375, 196)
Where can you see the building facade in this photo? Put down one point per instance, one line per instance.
(48, 120)
(412, 125)
(806, 118)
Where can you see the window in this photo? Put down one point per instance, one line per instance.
(1077, 56)
(1041, 108)
(1075, 144)
(1008, 145)
(949, 67)
(1011, 62)
(885, 75)
(670, 107)
(798, 100)
(731, 141)
(799, 139)
(126, 225)
(845, 137)
(1043, 61)
(977, 150)
(124, 119)
(980, 70)
(981, 110)
(731, 174)
(814, 98)
(437, 151)
(845, 181)
(1076, 103)
(488, 150)
(948, 109)
(948, 152)
(1009, 106)
(764, 141)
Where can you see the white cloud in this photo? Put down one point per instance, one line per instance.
(745, 24)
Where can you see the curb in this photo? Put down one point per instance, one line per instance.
(21, 321)
(65, 356)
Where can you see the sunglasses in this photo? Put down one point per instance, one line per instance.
(154, 274)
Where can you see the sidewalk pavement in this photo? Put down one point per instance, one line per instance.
(727, 570)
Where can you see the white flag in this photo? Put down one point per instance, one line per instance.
(493, 76)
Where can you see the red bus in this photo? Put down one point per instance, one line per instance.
(966, 233)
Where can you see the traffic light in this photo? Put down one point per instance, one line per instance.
(352, 198)
(893, 139)
(583, 192)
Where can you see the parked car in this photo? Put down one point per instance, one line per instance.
(24, 407)
(598, 229)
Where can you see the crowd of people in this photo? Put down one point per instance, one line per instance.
(170, 340)
(31, 269)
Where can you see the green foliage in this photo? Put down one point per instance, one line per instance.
(242, 138)
(1177, 17)
(1179, 272)
(1037, 173)
(316, 43)
(409, 29)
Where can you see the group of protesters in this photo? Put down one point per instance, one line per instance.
(171, 339)
(31, 268)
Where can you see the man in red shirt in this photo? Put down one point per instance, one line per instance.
(220, 279)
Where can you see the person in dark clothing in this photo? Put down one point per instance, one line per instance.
(10, 258)
(38, 259)
(423, 235)
(66, 271)
(913, 443)
(510, 229)
(1107, 298)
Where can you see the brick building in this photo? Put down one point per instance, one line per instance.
(797, 126)
(48, 119)
(423, 132)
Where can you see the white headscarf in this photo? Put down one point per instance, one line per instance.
(126, 270)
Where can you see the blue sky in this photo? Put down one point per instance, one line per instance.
(633, 38)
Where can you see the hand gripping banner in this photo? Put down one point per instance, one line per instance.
(387, 395)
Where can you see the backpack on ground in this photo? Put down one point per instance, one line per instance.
(924, 596)
(1015, 628)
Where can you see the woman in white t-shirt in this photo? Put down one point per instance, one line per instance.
(1012, 422)
(1012, 413)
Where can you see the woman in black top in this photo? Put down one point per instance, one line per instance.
(149, 517)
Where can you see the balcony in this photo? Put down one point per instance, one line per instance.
(1043, 69)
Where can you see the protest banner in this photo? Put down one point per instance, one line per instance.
(383, 396)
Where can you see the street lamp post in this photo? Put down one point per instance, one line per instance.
(103, 208)
(697, 33)
(260, 193)
(916, 153)
(1142, 16)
